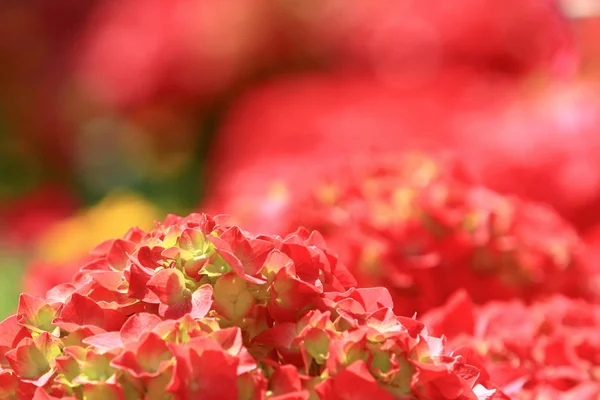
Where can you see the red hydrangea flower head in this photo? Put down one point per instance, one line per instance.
(197, 309)
(419, 227)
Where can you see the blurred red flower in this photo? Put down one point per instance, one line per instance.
(27, 218)
(540, 144)
(420, 228)
(546, 350)
(135, 53)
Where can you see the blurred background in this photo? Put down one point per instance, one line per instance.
(115, 113)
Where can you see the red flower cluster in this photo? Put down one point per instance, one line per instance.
(135, 52)
(548, 350)
(539, 144)
(198, 310)
(421, 229)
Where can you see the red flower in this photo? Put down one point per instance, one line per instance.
(420, 228)
(255, 317)
(26, 219)
(546, 349)
(540, 144)
(157, 45)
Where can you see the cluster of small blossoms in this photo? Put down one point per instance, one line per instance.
(196, 309)
(421, 228)
(547, 350)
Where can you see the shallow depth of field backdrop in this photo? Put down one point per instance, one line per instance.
(278, 112)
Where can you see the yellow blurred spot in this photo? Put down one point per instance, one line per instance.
(111, 218)
(481, 348)
(382, 215)
(471, 221)
(369, 263)
(328, 194)
(403, 201)
(278, 191)
(424, 171)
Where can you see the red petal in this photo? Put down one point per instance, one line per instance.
(149, 257)
(136, 325)
(114, 319)
(60, 293)
(105, 342)
(138, 283)
(355, 382)
(78, 312)
(111, 280)
(119, 253)
(215, 374)
(28, 361)
(147, 359)
(8, 383)
(375, 298)
(168, 285)
(11, 332)
(36, 313)
(251, 253)
(202, 300)
(300, 395)
(286, 379)
(152, 351)
(453, 318)
(281, 336)
(103, 248)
